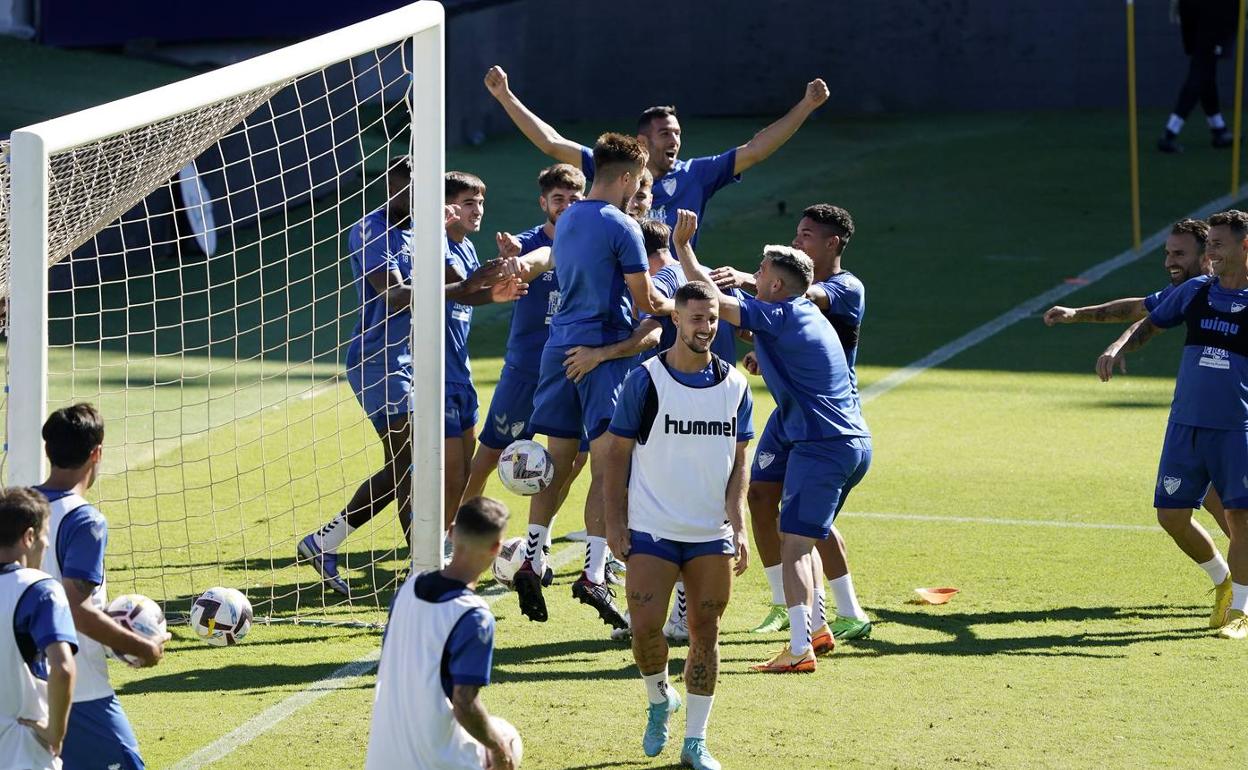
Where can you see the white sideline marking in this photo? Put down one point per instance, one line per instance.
(1035, 304)
(268, 719)
(1007, 522)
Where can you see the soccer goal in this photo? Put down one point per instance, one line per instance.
(179, 258)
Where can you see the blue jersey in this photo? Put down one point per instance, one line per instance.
(596, 244)
(531, 314)
(1212, 386)
(382, 336)
(1156, 298)
(41, 619)
(462, 259)
(847, 303)
(667, 281)
(804, 366)
(689, 185)
(469, 650)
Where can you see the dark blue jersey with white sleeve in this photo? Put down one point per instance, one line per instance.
(802, 361)
(596, 245)
(531, 314)
(382, 335)
(1212, 387)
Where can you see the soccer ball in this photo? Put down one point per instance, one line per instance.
(509, 559)
(139, 614)
(525, 467)
(221, 616)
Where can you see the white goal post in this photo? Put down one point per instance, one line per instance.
(47, 221)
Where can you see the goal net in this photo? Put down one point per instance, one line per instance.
(180, 260)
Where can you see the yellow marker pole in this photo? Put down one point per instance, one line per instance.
(1133, 130)
(1239, 101)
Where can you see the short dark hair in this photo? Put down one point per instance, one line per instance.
(618, 150)
(649, 114)
(655, 234)
(1197, 228)
(71, 434)
(1234, 219)
(458, 182)
(481, 518)
(401, 164)
(797, 268)
(21, 508)
(694, 290)
(561, 176)
(833, 218)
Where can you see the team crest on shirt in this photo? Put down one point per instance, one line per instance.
(669, 185)
(1236, 307)
(1171, 484)
(765, 459)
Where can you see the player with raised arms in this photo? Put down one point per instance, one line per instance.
(1207, 436)
(1185, 258)
(435, 658)
(823, 233)
(803, 363)
(687, 184)
(379, 356)
(37, 638)
(601, 263)
(675, 496)
(99, 733)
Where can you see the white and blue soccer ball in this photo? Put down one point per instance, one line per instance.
(525, 467)
(507, 563)
(221, 616)
(139, 614)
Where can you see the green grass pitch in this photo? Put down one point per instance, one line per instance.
(1071, 644)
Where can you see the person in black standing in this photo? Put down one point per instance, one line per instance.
(1208, 28)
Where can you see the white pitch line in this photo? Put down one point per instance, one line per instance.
(1034, 305)
(342, 677)
(1002, 522)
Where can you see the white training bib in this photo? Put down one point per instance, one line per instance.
(22, 694)
(684, 456)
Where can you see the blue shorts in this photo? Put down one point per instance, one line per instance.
(461, 409)
(385, 391)
(771, 456)
(1192, 458)
(100, 736)
(676, 551)
(819, 477)
(566, 409)
(511, 409)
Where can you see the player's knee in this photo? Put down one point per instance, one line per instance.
(762, 500)
(1173, 520)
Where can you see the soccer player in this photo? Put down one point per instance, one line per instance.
(602, 274)
(639, 205)
(435, 658)
(675, 497)
(37, 638)
(99, 733)
(687, 184)
(1185, 259)
(823, 233)
(1207, 436)
(803, 363)
(379, 356)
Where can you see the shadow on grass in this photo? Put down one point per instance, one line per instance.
(252, 679)
(530, 663)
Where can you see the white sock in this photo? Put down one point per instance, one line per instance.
(775, 579)
(1217, 569)
(596, 559)
(546, 540)
(1175, 124)
(533, 547)
(820, 608)
(656, 686)
(331, 536)
(1216, 121)
(1239, 597)
(799, 629)
(846, 600)
(697, 715)
(679, 608)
